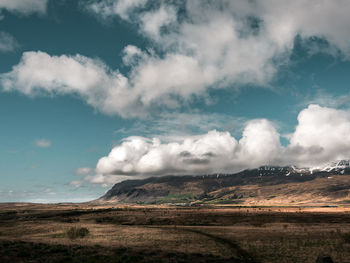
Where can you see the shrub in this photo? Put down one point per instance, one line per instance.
(70, 219)
(346, 237)
(77, 232)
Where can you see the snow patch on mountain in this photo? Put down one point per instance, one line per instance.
(339, 166)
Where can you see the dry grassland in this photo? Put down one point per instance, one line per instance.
(38, 233)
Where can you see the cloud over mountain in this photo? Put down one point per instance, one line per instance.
(321, 135)
(207, 153)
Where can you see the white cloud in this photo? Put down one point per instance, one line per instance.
(321, 135)
(260, 143)
(215, 45)
(43, 143)
(153, 22)
(41, 74)
(202, 154)
(7, 42)
(24, 6)
(218, 44)
(326, 19)
(109, 91)
(224, 42)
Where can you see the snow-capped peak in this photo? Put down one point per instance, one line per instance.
(335, 166)
(339, 166)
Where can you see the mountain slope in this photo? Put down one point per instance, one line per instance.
(263, 186)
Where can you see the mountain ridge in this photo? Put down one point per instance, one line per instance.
(264, 185)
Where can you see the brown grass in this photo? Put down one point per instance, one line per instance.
(263, 234)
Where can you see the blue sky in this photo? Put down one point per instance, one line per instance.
(95, 92)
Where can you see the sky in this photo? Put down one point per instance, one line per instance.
(94, 92)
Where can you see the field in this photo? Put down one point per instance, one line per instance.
(50, 233)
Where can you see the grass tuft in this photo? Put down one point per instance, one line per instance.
(346, 237)
(77, 232)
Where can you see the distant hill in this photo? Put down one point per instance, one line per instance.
(266, 185)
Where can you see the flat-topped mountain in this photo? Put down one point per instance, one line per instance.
(266, 185)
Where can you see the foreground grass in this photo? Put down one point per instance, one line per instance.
(172, 234)
(38, 252)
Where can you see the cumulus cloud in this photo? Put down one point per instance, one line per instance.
(43, 143)
(153, 22)
(224, 42)
(7, 42)
(109, 91)
(195, 46)
(321, 135)
(41, 74)
(213, 152)
(24, 6)
(325, 19)
(152, 83)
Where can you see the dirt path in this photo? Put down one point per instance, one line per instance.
(239, 253)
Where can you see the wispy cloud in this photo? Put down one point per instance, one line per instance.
(168, 126)
(7, 42)
(324, 98)
(34, 166)
(83, 170)
(24, 6)
(43, 143)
